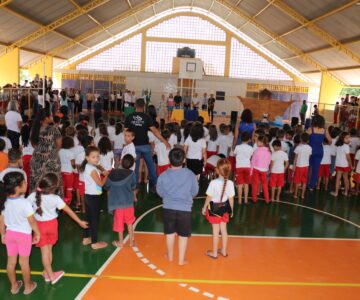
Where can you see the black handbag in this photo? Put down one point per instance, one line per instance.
(219, 209)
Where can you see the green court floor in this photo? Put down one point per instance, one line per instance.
(318, 216)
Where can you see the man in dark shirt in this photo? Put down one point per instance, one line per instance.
(177, 100)
(211, 106)
(141, 123)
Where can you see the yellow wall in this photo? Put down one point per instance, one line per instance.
(329, 90)
(38, 68)
(10, 67)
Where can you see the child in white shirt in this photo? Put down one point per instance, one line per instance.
(354, 143)
(129, 147)
(225, 141)
(278, 166)
(67, 160)
(46, 204)
(212, 141)
(195, 149)
(106, 153)
(118, 143)
(356, 176)
(243, 155)
(324, 170)
(163, 162)
(301, 165)
(343, 164)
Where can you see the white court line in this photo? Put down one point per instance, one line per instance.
(259, 237)
(304, 206)
(112, 256)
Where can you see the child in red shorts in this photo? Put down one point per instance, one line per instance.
(301, 164)
(356, 176)
(162, 153)
(324, 171)
(46, 203)
(220, 190)
(122, 182)
(67, 160)
(243, 153)
(279, 164)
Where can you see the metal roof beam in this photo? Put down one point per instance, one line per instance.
(335, 69)
(107, 25)
(91, 17)
(53, 25)
(21, 16)
(328, 14)
(257, 14)
(315, 29)
(271, 34)
(4, 2)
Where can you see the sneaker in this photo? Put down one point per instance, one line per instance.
(99, 245)
(46, 277)
(57, 276)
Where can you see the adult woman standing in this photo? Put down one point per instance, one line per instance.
(317, 134)
(13, 122)
(246, 125)
(64, 105)
(47, 142)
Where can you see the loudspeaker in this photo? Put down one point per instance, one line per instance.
(233, 118)
(294, 121)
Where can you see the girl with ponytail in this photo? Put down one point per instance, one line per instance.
(46, 203)
(218, 207)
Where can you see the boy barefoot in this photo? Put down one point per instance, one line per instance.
(177, 187)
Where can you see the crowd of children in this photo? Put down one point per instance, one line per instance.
(96, 160)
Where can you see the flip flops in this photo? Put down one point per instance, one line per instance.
(20, 284)
(34, 286)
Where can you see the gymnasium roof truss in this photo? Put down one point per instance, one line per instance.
(316, 29)
(53, 25)
(232, 8)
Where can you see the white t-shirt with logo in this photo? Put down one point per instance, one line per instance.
(129, 149)
(225, 142)
(354, 144)
(111, 132)
(279, 158)
(357, 157)
(49, 205)
(66, 156)
(173, 140)
(119, 141)
(162, 154)
(195, 149)
(341, 152)
(215, 189)
(91, 188)
(243, 155)
(212, 145)
(303, 152)
(11, 120)
(106, 161)
(326, 160)
(78, 161)
(16, 214)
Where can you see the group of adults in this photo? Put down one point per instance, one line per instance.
(347, 112)
(191, 102)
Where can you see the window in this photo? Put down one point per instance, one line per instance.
(188, 27)
(159, 57)
(126, 56)
(245, 63)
